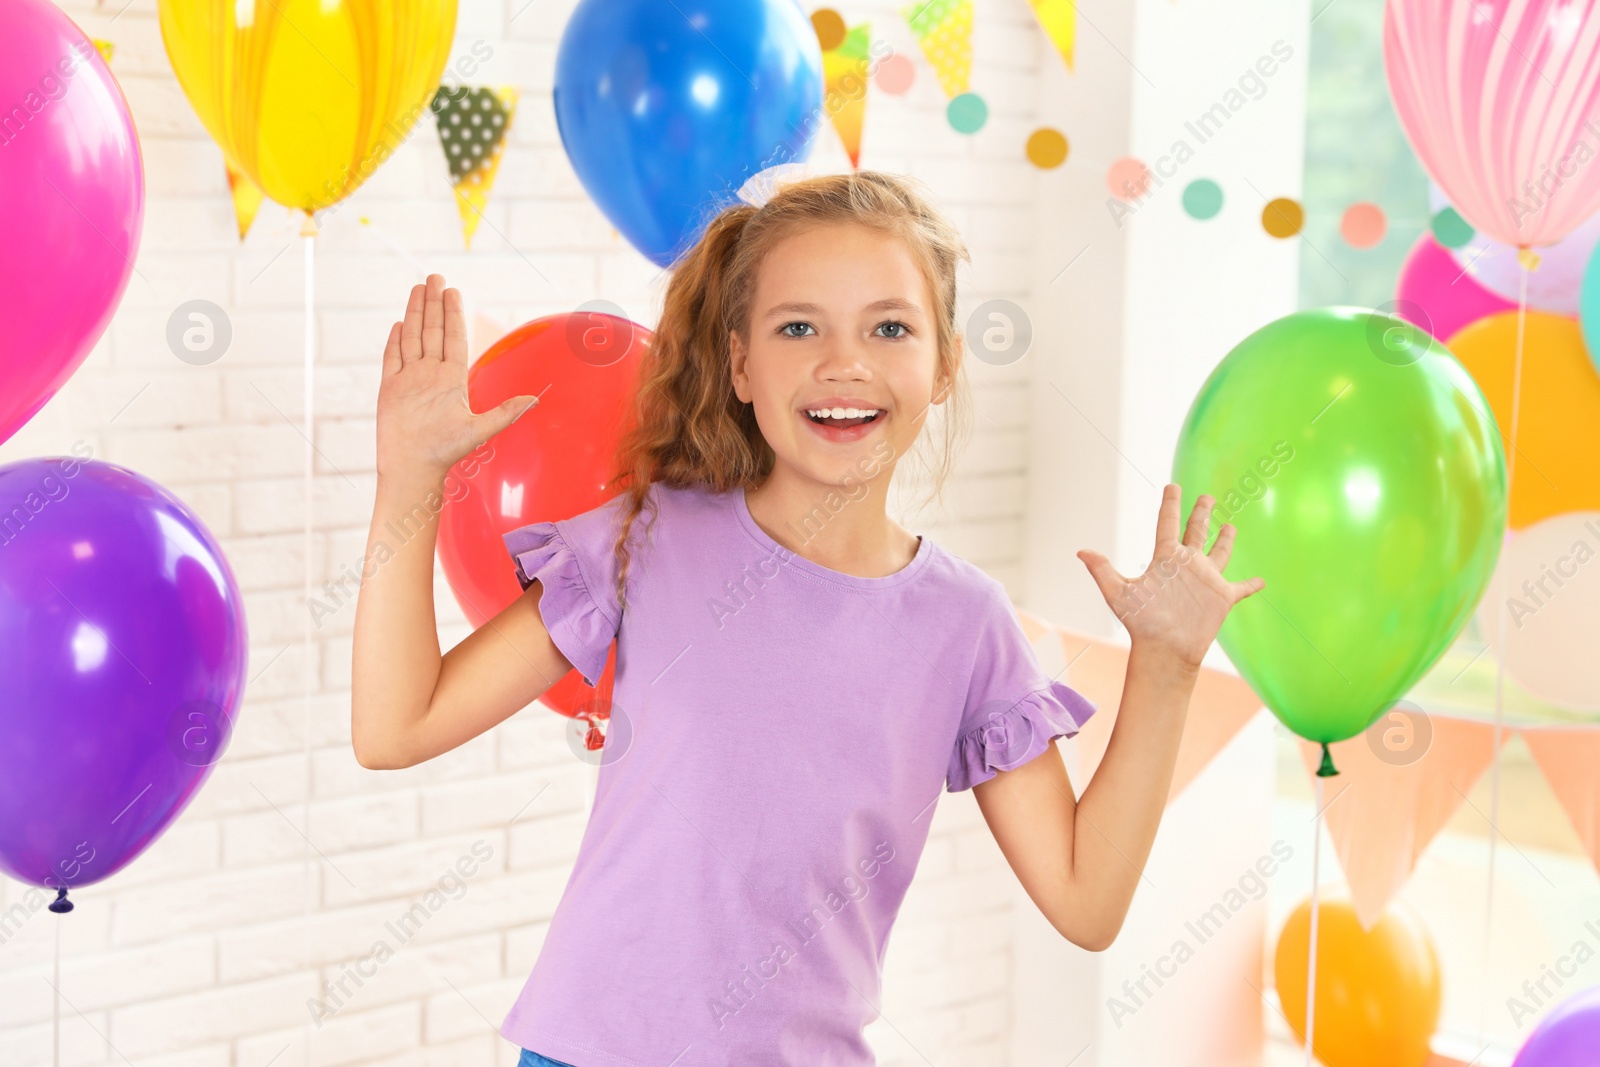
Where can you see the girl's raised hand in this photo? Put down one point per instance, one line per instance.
(425, 421)
(1179, 603)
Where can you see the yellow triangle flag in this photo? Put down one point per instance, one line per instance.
(1058, 19)
(247, 198)
(845, 70)
(106, 48)
(944, 29)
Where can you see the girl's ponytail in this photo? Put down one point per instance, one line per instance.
(689, 429)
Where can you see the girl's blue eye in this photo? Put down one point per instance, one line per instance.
(902, 327)
(784, 329)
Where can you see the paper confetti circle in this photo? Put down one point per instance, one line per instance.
(895, 74)
(1128, 179)
(830, 28)
(1450, 229)
(1282, 217)
(1363, 225)
(1202, 198)
(967, 113)
(1047, 148)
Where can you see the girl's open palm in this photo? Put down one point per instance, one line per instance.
(1181, 600)
(425, 420)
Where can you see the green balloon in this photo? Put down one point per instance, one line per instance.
(1364, 473)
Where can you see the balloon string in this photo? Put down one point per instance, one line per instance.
(1311, 956)
(309, 232)
(1500, 651)
(55, 1020)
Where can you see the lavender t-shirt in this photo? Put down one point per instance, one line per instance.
(788, 731)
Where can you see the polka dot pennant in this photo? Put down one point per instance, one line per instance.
(1363, 225)
(1450, 229)
(1128, 178)
(944, 29)
(967, 113)
(472, 123)
(1047, 148)
(472, 126)
(1202, 198)
(830, 28)
(896, 74)
(1282, 217)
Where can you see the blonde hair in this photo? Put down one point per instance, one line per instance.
(689, 429)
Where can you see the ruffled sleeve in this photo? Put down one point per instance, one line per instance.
(578, 609)
(1011, 736)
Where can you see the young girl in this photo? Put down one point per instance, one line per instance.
(800, 675)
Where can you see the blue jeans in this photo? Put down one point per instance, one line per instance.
(533, 1059)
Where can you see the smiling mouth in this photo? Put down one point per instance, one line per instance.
(843, 417)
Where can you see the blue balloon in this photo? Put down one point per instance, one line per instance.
(667, 108)
(1589, 307)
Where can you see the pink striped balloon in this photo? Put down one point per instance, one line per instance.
(1501, 101)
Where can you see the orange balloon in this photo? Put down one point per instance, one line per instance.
(1378, 992)
(1558, 427)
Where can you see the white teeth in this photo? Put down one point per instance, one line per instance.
(843, 413)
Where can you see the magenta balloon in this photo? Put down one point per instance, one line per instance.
(1436, 293)
(1568, 1037)
(71, 203)
(1500, 99)
(123, 647)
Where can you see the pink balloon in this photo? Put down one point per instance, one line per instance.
(1501, 101)
(1436, 293)
(71, 203)
(1553, 286)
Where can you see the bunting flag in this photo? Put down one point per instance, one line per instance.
(845, 69)
(1566, 757)
(106, 48)
(1058, 19)
(1381, 811)
(1218, 709)
(472, 129)
(247, 197)
(1382, 815)
(944, 30)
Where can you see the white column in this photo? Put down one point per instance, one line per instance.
(1124, 337)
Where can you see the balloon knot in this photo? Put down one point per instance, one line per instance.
(1327, 770)
(61, 905)
(1528, 258)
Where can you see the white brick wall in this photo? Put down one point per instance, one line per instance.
(205, 951)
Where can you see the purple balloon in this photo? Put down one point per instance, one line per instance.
(1568, 1037)
(71, 203)
(124, 650)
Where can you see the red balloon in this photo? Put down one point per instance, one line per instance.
(551, 464)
